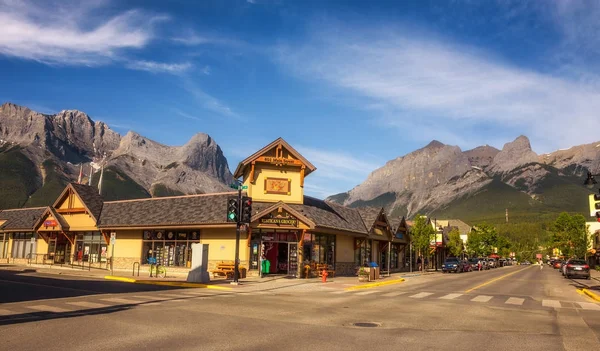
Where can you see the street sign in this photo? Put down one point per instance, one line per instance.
(113, 238)
(244, 187)
(33, 239)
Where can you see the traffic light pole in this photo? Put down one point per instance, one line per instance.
(236, 271)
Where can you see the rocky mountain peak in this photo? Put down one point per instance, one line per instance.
(434, 144)
(482, 156)
(513, 155)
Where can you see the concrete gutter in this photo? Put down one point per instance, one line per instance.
(591, 294)
(374, 285)
(165, 283)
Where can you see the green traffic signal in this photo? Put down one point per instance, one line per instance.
(231, 215)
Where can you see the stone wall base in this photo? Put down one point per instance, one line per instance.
(346, 269)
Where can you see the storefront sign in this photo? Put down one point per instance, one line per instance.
(279, 161)
(280, 221)
(50, 223)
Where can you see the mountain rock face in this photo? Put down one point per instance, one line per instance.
(60, 143)
(438, 177)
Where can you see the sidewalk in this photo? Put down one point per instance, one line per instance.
(592, 286)
(246, 284)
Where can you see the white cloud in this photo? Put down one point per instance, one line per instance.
(209, 102)
(60, 33)
(420, 76)
(186, 115)
(206, 70)
(159, 67)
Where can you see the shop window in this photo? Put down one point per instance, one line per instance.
(90, 247)
(319, 248)
(22, 245)
(169, 247)
(362, 252)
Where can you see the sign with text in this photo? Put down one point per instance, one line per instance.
(279, 160)
(113, 238)
(280, 221)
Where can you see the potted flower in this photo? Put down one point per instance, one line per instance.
(363, 275)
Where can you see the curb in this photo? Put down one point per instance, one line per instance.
(374, 285)
(165, 283)
(591, 294)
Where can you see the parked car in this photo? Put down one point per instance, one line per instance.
(467, 267)
(492, 262)
(484, 263)
(502, 262)
(525, 263)
(557, 264)
(476, 264)
(452, 264)
(577, 268)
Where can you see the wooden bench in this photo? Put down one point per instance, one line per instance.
(321, 267)
(225, 269)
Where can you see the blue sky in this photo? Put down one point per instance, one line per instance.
(350, 84)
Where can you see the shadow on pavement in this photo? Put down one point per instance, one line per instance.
(27, 285)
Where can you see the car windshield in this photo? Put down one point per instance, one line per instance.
(452, 260)
(577, 262)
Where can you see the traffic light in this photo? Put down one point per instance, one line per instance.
(595, 205)
(246, 209)
(233, 209)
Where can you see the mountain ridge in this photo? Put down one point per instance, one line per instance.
(58, 144)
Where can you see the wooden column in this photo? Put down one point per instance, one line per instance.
(300, 255)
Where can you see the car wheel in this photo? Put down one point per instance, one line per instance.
(566, 276)
(588, 277)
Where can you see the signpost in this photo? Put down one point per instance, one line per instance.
(113, 239)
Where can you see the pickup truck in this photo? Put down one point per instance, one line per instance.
(452, 265)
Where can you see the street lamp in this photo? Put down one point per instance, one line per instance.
(590, 181)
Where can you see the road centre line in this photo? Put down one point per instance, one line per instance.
(495, 280)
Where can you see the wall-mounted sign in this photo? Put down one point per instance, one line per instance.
(279, 186)
(280, 221)
(280, 160)
(50, 223)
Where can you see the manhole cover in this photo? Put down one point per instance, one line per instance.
(366, 325)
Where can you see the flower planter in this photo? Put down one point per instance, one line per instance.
(363, 278)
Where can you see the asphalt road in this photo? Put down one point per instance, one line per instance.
(510, 308)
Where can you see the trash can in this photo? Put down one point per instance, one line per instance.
(374, 271)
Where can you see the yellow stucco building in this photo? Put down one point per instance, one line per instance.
(288, 229)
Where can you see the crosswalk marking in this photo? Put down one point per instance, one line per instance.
(365, 292)
(421, 295)
(589, 306)
(172, 296)
(46, 308)
(87, 304)
(121, 301)
(394, 294)
(515, 301)
(551, 303)
(450, 296)
(149, 304)
(482, 298)
(340, 292)
(7, 313)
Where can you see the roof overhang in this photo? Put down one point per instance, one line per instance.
(239, 171)
(280, 206)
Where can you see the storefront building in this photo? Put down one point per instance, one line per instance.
(295, 233)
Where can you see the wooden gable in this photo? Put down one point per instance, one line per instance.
(281, 216)
(278, 154)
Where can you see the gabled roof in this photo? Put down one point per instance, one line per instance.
(167, 211)
(300, 216)
(397, 223)
(369, 216)
(62, 223)
(89, 196)
(239, 171)
(324, 214)
(22, 219)
(463, 227)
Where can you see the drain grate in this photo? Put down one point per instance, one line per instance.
(366, 325)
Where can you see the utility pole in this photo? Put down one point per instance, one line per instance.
(236, 272)
(507, 215)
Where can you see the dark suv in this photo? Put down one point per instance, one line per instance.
(452, 264)
(577, 268)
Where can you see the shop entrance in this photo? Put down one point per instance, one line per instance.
(282, 255)
(59, 249)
